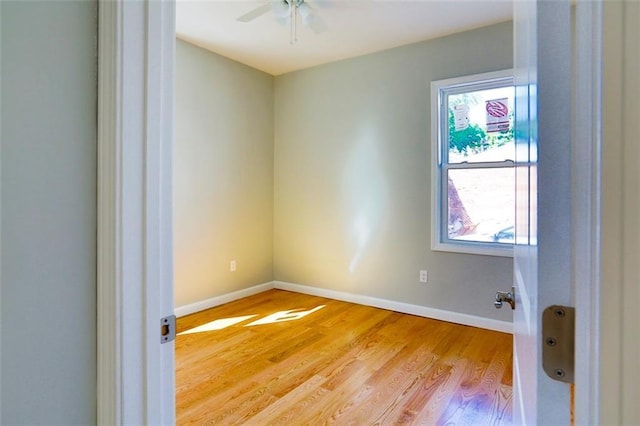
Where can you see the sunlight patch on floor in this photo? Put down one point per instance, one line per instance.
(280, 316)
(218, 324)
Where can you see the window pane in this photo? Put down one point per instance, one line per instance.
(481, 204)
(481, 125)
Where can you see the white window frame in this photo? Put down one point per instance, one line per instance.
(440, 90)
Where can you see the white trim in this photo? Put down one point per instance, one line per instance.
(472, 80)
(405, 308)
(586, 181)
(191, 308)
(482, 249)
(135, 282)
(159, 378)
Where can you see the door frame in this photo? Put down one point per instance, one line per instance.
(587, 146)
(135, 377)
(135, 134)
(615, 370)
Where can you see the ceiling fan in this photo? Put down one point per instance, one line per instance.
(288, 11)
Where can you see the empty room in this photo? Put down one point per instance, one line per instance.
(308, 284)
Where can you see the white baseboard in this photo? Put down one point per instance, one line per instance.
(406, 308)
(181, 311)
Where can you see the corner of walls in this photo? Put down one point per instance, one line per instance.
(223, 178)
(181, 311)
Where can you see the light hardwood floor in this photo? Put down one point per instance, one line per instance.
(342, 364)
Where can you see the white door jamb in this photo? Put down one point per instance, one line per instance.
(135, 268)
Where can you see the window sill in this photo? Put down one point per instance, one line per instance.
(482, 249)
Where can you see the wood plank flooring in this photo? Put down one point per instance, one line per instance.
(341, 364)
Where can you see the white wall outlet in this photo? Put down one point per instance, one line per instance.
(423, 276)
(233, 265)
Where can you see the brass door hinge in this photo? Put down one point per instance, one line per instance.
(558, 342)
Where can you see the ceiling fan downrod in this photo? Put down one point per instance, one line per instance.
(293, 10)
(296, 7)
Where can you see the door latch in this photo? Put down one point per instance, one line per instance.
(503, 296)
(558, 341)
(167, 329)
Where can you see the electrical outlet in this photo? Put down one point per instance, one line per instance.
(233, 266)
(423, 276)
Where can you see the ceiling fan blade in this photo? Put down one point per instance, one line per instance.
(322, 4)
(281, 9)
(282, 21)
(315, 23)
(253, 14)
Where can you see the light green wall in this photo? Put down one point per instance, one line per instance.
(48, 163)
(352, 176)
(223, 193)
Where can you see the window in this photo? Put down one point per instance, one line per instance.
(473, 187)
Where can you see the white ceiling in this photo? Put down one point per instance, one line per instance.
(354, 28)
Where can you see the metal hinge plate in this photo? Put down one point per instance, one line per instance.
(558, 341)
(167, 329)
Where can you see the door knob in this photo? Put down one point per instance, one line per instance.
(504, 296)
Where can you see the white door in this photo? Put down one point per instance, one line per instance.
(542, 260)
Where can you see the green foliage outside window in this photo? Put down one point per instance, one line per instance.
(474, 139)
(467, 141)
